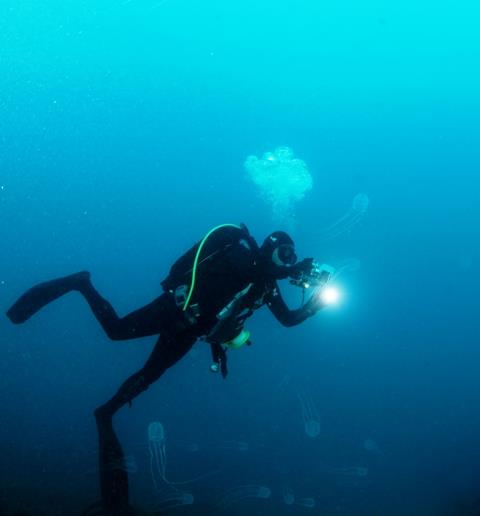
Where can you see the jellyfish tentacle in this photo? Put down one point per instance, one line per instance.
(311, 410)
(344, 225)
(347, 265)
(177, 499)
(307, 502)
(310, 414)
(238, 493)
(158, 459)
(349, 220)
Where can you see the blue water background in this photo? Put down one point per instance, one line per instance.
(124, 126)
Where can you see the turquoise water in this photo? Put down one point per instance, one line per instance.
(124, 130)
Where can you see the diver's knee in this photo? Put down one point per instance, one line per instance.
(103, 413)
(113, 335)
(114, 331)
(117, 331)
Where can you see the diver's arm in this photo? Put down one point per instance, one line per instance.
(288, 317)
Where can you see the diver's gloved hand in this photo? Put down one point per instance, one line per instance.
(219, 357)
(314, 304)
(303, 267)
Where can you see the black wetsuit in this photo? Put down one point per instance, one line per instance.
(227, 273)
(232, 263)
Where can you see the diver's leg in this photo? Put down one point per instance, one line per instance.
(148, 320)
(114, 478)
(167, 351)
(42, 294)
(144, 322)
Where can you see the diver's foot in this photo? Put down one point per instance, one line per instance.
(40, 295)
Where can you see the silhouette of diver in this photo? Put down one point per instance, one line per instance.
(210, 292)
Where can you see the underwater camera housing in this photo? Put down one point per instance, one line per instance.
(318, 276)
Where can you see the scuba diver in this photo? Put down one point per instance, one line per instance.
(209, 293)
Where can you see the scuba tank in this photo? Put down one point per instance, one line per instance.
(181, 281)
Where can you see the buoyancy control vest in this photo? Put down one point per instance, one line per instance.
(209, 291)
(203, 264)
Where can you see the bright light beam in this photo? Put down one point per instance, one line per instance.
(330, 295)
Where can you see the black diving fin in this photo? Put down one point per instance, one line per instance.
(42, 294)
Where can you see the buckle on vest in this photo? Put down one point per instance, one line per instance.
(180, 295)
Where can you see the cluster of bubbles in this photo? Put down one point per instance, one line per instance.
(281, 180)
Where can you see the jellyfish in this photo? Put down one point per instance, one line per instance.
(310, 415)
(170, 498)
(350, 476)
(158, 453)
(308, 503)
(236, 494)
(351, 471)
(158, 458)
(284, 382)
(350, 219)
(372, 447)
(282, 181)
(288, 496)
(347, 265)
(237, 446)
